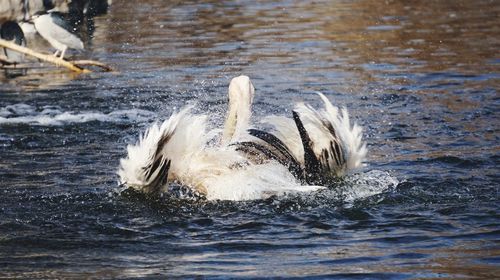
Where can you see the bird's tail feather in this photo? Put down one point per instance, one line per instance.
(351, 136)
(146, 166)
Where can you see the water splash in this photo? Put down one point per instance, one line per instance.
(363, 185)
(55, 116)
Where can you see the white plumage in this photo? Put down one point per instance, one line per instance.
(336, 144)
(245, 163)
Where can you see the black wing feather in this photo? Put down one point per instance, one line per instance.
(285, 156)
(158, 166)
(313, 166)
(263, 152)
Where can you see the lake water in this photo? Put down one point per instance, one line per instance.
(421, 77)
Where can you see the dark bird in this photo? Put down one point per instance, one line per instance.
(10, 31)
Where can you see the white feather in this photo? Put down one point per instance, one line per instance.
(351, 136)
(314, 122)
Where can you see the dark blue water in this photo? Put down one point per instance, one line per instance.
(421, 78)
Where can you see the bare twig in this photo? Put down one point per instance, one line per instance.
(93, 63)
(52, 59)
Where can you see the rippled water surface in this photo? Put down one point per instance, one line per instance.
(421, 77)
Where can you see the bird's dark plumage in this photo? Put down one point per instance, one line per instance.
(12, 31)
(59, 19)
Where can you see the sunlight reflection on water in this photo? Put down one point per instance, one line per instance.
(420, 77)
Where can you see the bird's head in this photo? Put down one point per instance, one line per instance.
(37, 15)
(241, 91)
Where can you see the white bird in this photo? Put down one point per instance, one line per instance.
(57, 31)
(179, 151)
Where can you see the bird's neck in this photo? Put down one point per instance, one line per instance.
(237, 120)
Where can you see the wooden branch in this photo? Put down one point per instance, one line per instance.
(106, 68)
(49, 58)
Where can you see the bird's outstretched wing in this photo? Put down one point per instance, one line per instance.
(148, 164)
(323, 143)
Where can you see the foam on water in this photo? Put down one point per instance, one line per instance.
(363, 185)
(282, 184)
(55, 116)
(346, 191)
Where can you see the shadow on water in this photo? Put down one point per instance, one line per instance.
(421, 78)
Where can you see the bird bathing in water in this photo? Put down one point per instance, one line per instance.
(243, 163)
(57, 31)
